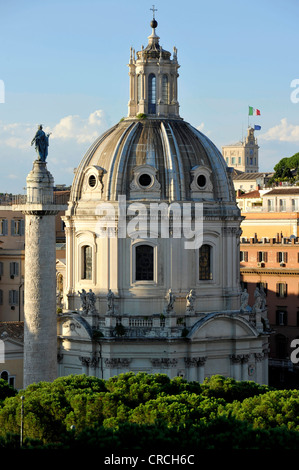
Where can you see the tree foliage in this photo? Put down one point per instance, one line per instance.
(287, 169)
(6, 390)
(131, 410)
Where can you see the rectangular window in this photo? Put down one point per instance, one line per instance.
(295, 205)
(87, 262)
(13, 298)
(18, 227)
(262, 256)
(282, 257)
(14, 269)
(3, 227)
(1, 297)
(205, 263)
(11, 381)
(281, 289)
(152, 94)
(1, 268)
(270, 205)
(282, 205)
(281, 317)
(244, 256)
(144, 263)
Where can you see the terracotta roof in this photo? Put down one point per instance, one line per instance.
(251, 176)
(279, 191)
(250, 195)
(13, 329)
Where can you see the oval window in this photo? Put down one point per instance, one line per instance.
(145, 180)
(201, 181)
(92, 181)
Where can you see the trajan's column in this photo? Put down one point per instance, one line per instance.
(40, 317)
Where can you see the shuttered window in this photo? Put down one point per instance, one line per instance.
(13, 297)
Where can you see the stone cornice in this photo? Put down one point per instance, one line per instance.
(270, 271)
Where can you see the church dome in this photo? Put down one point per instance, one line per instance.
(153, 153)
(160, 290)
(152, 158)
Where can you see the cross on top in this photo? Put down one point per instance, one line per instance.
(153, 10)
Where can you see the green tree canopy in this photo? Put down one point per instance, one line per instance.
(130, 410)
(287, 169)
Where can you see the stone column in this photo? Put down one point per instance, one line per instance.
(40, 317)
(201, 369)
(245, 360)
(85, 364)
(236, 360)
(195, 368)
(259, 363)
(69, 232)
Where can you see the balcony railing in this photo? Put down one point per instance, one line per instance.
(56, 198)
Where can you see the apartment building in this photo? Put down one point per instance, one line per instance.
(273, 262)
(270, 211)
(12, 255)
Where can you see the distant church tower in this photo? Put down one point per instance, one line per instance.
(243, 155)
(40, 322)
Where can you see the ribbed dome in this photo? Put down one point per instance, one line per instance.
(172, 153)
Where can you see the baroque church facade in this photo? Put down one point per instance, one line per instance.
(152, 279)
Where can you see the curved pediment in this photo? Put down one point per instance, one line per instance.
(75, 326)
(219, 326)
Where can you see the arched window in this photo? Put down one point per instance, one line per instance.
(205, 263)
(165, 89)
(10, 379)
(4, 375)
(144, 263)
(152, 94)
(87, 262)
(138, 88)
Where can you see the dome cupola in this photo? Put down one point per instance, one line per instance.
(153, 80)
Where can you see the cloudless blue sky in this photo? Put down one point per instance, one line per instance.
(63, 60)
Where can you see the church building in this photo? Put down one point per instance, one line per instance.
(152, 280)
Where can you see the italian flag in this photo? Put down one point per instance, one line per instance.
(254, 112)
